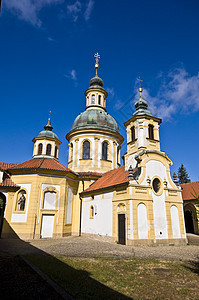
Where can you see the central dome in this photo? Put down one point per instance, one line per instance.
(95, 119)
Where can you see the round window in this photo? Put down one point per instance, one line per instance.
(156, 185)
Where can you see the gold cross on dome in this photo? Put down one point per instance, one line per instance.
(140, 80)
(97, 57)
(49, 114)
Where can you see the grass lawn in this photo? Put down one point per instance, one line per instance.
(111, 278)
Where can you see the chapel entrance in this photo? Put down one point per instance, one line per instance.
(47, 226)
(189, 222)
(121, 229)
(2, 209)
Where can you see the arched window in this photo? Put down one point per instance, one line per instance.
(105, 150)
(71, 151)
(99, 99)
(40, 147)
(91, 212)
(151, 133)
(132, 133)
(48, 149)
(55, 151)
(118, 154)
(93, 99)
(86, 150)
(21, 200)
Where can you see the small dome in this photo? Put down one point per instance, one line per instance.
(48, 133)
(95, 119)
(141, 106)
(96, 81)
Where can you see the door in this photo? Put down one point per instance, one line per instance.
(189, 222)
(47, 226)
(121, 229)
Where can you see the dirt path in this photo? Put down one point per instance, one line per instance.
(90, 247)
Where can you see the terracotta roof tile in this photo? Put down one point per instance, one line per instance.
(91, 173)
(7, 182)
(41, 163)
(5, 166)
(189, 189)
(111, 178)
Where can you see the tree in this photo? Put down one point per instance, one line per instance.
(183, 176)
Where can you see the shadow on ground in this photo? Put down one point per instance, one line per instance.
(19, 281)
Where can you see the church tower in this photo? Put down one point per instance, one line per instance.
(142, 132)
(46, 144)
(94, 139)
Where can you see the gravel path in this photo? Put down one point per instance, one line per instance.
(91, 247)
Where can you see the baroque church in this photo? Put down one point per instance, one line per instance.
(137, 203)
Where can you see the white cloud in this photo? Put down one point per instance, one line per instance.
(111, 91)
(118, 104)
(72, 75)
(28, 10)
(51, 39)
(178, 93)
(88, 10)
(74, 10)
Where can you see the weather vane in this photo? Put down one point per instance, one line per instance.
(97, 57)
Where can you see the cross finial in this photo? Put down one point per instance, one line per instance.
(97, 57)
(140, 80)
(49, 114)
(140, 87)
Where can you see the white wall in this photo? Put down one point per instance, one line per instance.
(156, 168)
(142, 221)
(1, 176)
(49, 200)
(102, 222)
(175, 222)
(69, 206)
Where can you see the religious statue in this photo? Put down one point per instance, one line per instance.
(21, 202)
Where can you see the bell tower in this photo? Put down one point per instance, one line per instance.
(142, 132)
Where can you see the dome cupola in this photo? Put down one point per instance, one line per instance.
(94, 139)
(46, 143)
(141, 106)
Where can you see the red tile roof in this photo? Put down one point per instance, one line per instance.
(90, 173)
(111, 178)
(5, 166)
(7, 182)
(189, 189)
(41, 163)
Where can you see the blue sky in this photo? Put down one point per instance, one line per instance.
(47, 48)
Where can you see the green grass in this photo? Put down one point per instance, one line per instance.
(110, 278)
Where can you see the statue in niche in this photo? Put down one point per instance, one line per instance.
(21, 201)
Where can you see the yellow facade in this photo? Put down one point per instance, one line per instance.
(142, 209)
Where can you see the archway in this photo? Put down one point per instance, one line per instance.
(2, 209)
(189, 221)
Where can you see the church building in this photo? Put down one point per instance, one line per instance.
(137, 203)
